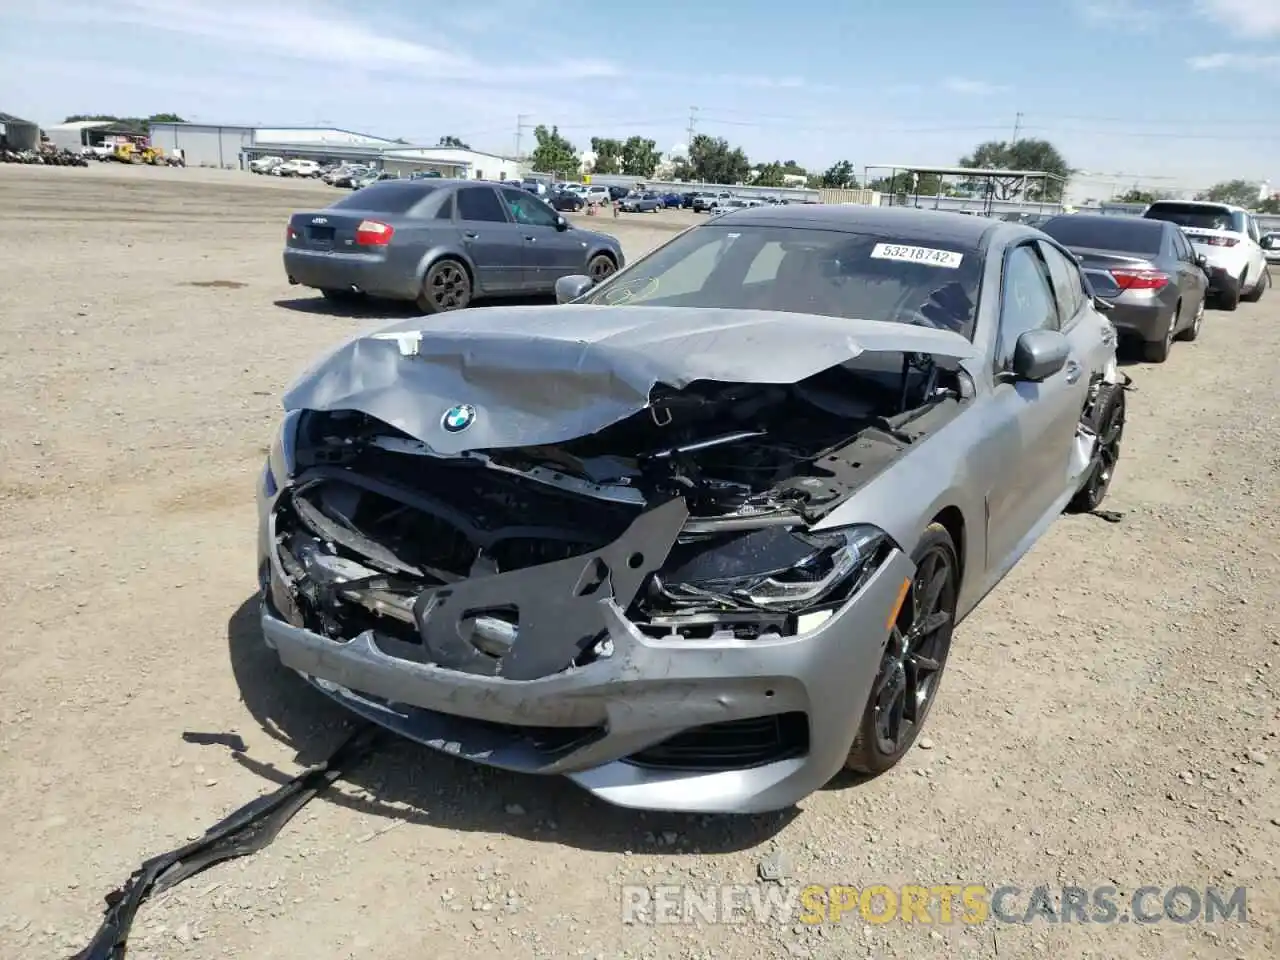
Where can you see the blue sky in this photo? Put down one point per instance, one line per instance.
(1170, 92)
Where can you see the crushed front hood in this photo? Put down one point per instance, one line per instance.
(544, 375)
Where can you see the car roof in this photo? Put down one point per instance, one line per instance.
(1210, 204)
(943, 226)
(1111, 218)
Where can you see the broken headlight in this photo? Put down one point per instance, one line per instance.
(281, 459)
(823, 569)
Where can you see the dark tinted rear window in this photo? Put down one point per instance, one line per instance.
(1196, 216)
(1124, 234)
(388, 196)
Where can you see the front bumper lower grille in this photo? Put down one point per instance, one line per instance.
(732, 745)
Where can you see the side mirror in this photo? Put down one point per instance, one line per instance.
(1202, 260)
(562, 224)
(1039, 354)
(572, 287)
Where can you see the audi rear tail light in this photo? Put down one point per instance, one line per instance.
(1222, 241)
(373, 233)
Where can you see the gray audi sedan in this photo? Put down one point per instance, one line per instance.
(441, 243)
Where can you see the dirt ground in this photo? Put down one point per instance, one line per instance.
(1111, 713)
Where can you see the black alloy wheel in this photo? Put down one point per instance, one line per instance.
(1107, 422)
(445, 287)
(914, 658)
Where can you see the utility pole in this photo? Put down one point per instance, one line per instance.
(1017, 125)
(688, 144)
(522, 121)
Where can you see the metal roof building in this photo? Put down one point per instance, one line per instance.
(18, 134)
(234, 146)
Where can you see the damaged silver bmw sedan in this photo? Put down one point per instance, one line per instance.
(699, 538)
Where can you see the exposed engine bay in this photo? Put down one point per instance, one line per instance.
(690, 515)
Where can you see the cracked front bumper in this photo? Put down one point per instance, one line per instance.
(590, 722)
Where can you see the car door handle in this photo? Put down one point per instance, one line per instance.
(531, 239)
(1073, 370)
(471, 236)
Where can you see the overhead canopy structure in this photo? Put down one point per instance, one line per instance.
(1013, 184)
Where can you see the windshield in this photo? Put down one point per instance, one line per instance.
(1196, 216)
(831, 273)
(386, 196)
(1124, 234)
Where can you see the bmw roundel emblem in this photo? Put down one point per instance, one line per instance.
(456, 419)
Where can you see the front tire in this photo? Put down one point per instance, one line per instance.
(446, 286)
(1106, 420)
(913, 660)
(1192, 332)
(600, 268)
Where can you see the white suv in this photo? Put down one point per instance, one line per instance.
(1229, 239)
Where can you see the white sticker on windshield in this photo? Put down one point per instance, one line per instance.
(927, 255)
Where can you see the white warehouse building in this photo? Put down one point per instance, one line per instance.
(232, 147)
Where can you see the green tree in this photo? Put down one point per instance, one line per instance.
(1137, 195)
(553, 153)
(907, 183)
(453, 142)
(712, 160)
(139, 125)
(839, 176)
(608, 155)
(639, 157)
(793, 169)
(1040, 156)
(1241, 193)
(769, 174)
(1269, 205)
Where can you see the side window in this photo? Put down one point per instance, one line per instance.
(1027, 303)
(1253, 230)
(1068, 289)
(528, 209)
(1188, 252)
(480, 204)
(446, 209)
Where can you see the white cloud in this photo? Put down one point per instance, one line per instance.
(971, 88)
(313, 32)
(1247, 19)
(1237, 62)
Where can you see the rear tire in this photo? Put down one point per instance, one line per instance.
(445, 287)
(1256, 293)
(914, 658)
(1229, 298)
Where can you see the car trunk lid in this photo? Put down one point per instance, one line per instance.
(1103, 266)
(343, 231)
